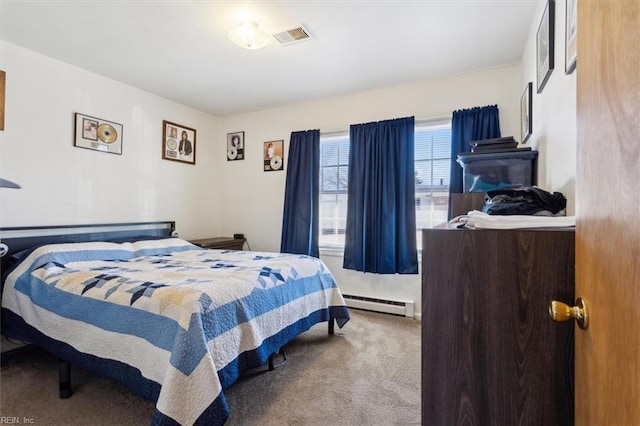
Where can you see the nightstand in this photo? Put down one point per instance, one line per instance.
(221, 243)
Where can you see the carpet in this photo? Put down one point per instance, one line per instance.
(368, 373)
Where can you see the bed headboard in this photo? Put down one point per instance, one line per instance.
(24, 238)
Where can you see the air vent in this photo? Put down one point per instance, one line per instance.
(292, 35)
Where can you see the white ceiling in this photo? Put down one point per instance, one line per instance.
(179, 49)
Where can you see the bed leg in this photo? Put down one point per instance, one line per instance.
(64, 376)
(331, 325)
(272, 357)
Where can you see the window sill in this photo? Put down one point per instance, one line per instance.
(339, 252)
(332, 251)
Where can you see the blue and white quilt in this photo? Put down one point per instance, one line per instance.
(175, 322)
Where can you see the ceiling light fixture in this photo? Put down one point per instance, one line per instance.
(6, 183)
(248, 36)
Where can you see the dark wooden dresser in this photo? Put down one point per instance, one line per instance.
(490, 353)
(221, 243)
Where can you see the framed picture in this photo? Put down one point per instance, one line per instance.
(273, 156)
(235, 146)
(544, 45)
(526, 119)
(178, 143)
(3, 78)
(97, 134)
(570, 36)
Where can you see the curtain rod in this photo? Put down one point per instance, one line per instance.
(433, 119)
(420, 121)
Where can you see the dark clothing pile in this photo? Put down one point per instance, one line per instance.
(524, 200)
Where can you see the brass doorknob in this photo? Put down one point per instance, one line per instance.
(559, 311)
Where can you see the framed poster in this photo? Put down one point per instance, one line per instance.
(570, 36)
(3, 78)
(544, 45)
(97, 134)
(235, 146)
(525, 113)
(178, 143)
(273, 156)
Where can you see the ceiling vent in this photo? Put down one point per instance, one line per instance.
(292, 35)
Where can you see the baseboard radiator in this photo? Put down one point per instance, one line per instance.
(396, 307)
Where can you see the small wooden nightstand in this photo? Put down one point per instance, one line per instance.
(222, 243)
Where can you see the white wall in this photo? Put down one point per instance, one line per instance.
(554, 113)
(63, 184)
(252, 199)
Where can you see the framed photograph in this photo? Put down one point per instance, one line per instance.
(273, 156)
(235, 146)
(178, 143)
(526, 119)
(570, 36)
(544, 45)
(3, 78)
(97, 134)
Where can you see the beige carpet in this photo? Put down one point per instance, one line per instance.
(368, 373)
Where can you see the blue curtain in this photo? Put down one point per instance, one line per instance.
(300, 222)
(470, 125)
(381, 219)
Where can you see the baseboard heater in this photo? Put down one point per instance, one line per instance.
(405, 309)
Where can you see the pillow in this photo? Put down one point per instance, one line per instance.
(15, 259)
(136, 238)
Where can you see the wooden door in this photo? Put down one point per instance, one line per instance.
(607, 356)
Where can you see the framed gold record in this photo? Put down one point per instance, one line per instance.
(178, 142)
(97, 134)
(273, 154)
(235, 146)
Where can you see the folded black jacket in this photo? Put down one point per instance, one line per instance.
(523, 200)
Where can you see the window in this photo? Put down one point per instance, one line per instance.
(432, 164)
(334, 169)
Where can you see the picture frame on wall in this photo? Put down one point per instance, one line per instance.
(3, 79)
(273, 154)
(571, 36)
(97, 134)
(235, 146)
(526, 117)
(544, 45)
(178, 143)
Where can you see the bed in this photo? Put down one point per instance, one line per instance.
(176, 323)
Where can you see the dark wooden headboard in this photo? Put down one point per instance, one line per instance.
(24, 238)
